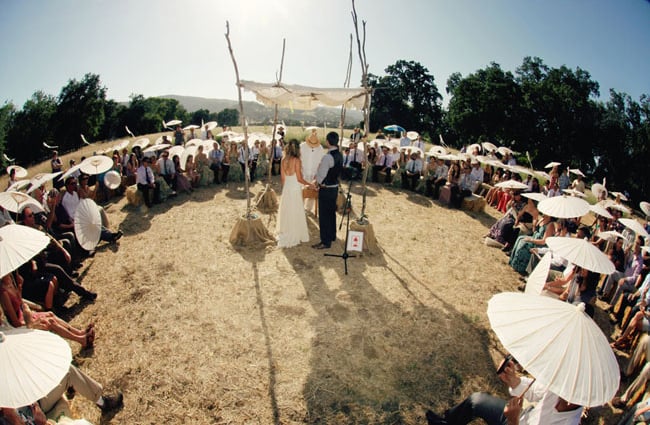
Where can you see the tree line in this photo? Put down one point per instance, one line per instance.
(82, 108)
(545, 113)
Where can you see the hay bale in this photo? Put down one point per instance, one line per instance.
(369, 240)
(134, 196)
(248, 231)
(267, 200)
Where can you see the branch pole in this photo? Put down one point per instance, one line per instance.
(361, 48)
(275, 116)
(243, 124)
(346, 84)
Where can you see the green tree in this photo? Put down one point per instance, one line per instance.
(80, 110)
(407, 96)
(229, 117)
(484, 104)
(559, 112)
(7, 112)
(32, 126)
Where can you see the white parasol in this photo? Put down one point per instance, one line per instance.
(610, 235)
(577, 172)
(20, 171)
(156, 148)
(70, 171)
(112, 180)
(574, 192)
(564, 207)
(189, 150)
(552, 164)
(227, 134)
(40, 179)
(176, 150)
(310, 128)
(474, 146)
(412, 149)
(413, 135)
(560, 345)
(535, 196)
(18, 244)
(437, 150)
(619, 195)
(537, 278)
(20, 184)
(645, 207)
(600, 210)
(511, 184)
(173, 123)
(634, 226)
(598, 190)
(488, 147)
(16, 201)
(96, 164)
(87, 224)
(211, 125)
(504, 150)
(191, 127)
(142, 142)
(193, 142)
(32, 363)
(581, 253)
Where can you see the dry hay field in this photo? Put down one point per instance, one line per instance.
(195, 330)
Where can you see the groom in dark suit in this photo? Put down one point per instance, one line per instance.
(327, 183)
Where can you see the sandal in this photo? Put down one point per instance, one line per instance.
(621, 343)
(90, 338)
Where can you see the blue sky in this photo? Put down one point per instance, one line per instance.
(157, 47)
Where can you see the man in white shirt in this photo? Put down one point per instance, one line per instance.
(412, 172)
(549, 408)
(419, 143)
(404, 141)
(384, 163)
(311, 153)
(167, 170)
(146, 182)
(476, 175)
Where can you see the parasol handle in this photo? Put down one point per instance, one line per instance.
(527, 388)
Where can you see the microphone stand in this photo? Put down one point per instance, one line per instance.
(346, 216)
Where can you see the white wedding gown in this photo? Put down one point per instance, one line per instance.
(292, 223)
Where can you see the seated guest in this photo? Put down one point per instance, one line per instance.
(146, 182)
(48, 261)
(412, 172)
(439, 178)
(520, 254)
(167, 170)
(19, 314)
(503, 230)
(215, 157)
(547, 407)
(476, 175)
(463, 188)
(626, 278)
(182, 183)
(384, 164)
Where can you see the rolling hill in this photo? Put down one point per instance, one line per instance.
(260, 114)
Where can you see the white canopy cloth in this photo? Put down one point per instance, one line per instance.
(32, 363)
(560, 345)
(303, 97)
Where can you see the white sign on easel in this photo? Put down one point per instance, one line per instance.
(355, 241)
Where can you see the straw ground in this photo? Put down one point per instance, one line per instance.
(194, 330)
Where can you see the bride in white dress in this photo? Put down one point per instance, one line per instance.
(292, 223)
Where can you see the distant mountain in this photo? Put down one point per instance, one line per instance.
(260, 114)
